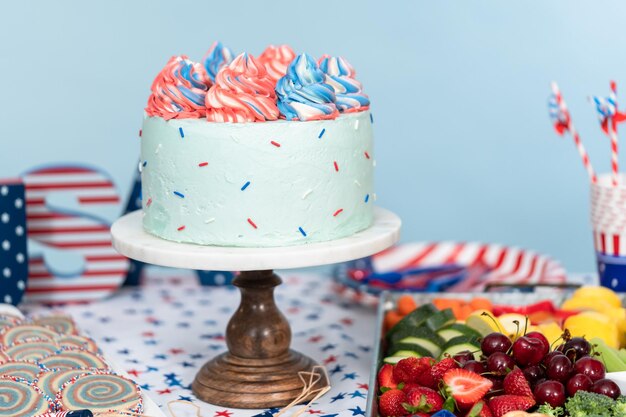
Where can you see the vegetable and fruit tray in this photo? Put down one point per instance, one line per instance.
(556, 353)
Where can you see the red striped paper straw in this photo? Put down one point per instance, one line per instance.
(563, 122)
(612, 127)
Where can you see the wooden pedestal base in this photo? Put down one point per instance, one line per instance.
(259, 370)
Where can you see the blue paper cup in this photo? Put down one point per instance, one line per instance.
(612, 271)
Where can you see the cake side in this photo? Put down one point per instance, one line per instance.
(266, 184)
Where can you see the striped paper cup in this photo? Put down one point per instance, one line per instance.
(608, 220)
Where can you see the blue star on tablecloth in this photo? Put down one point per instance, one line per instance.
(357, 411)
(338, 397)
(356, 394)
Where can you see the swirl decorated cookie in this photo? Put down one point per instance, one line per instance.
(21, 399)
(20, 369)
(59, 323)
(70, 341)
(32, 350)
(74, 358)
(52, 380)
(100, 393)
(9, 320)
(26, 332)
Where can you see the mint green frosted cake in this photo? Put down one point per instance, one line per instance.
(234, 154)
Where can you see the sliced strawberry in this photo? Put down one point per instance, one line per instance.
(467, 388)
(515, 383)
(502, 404)
(480, 409)
(410, 369)
(385, 377)
(390, 403)
(439, 369)
(424, 399)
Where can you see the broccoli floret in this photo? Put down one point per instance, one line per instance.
(619, 407)
(550, 411)
(586, 404)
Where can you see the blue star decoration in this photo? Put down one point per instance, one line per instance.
(109, 339)
(337, 369)
(196, 356)
(123, 351)
(330, 415)
(338, 397)
(328, 347)
(352, 355)
(160, 356)
(357, 411)
(152, 369)
(267, 413)
(186, 364)
(146, 387)
(185, 398)
(356, 394)
(351, 375)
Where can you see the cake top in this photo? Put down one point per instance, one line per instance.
(279, 84)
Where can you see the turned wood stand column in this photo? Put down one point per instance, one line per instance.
(259, 370)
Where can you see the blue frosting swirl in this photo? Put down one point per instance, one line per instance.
(217, 57)
(340, 75)
(192, 86)
(302, 92)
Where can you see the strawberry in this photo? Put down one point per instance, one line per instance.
(424, 399)
(502, 404)
(409, 386)
(480, 409)
(390, 403)
(385, 377)
(410, 369)
(515, 383)
(439, 369)
(466, 387)
(420, 415)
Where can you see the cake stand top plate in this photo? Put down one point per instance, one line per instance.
(130, 239)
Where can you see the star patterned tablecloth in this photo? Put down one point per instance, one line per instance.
(162, 332)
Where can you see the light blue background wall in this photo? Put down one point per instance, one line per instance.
(463, 142)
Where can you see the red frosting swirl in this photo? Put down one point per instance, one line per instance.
(243, 92)
(179, 90)
(276, 60)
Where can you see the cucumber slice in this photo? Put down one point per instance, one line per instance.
(456, 329)
(440, 319)
(410, 347)
(426, 339)
(414, 319)
(401, 354)
(461, 343)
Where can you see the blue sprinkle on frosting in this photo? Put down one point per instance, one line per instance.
(180, 130)
(322, 133)
(245, 186)
(181, 195)
(367, 198)
(302, 231)
(144, 163)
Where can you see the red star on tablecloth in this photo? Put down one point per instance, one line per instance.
(133, 372)
(164, 391)
(224, 413)
(147, 334)
(363, 386)
(315, 339)
(315, 411)
(347, 321)
(330, 359)
(176, 351)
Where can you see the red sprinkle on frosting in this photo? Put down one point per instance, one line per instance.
(367, 155)
(275, 144)
(251, 223)
(336, 166)
(149, 202)
(203, 164)
(337, 212)
(181, 228)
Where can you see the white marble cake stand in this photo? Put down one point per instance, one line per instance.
(259, 370)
